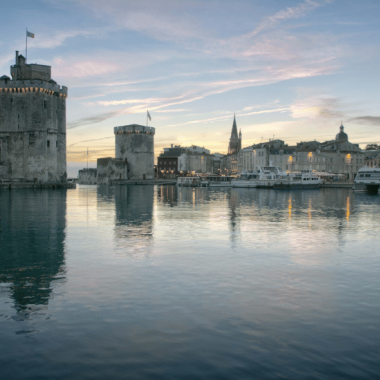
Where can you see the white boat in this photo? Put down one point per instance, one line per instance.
(269, 175)
(305, 179)
(219, 181)
(246, 179)
(367, 179)
(189, 181)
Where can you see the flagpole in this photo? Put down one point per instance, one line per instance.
(26, 44)
(147, 118)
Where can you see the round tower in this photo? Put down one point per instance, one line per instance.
(135, 144)
(32, 124)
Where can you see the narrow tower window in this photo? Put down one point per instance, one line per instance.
(48, 143)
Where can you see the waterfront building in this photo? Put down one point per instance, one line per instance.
(32, 124)
(87, 176)
(372, 158)
(337, 156)
(134, 144)
(134, 151)
(179, 161)
(259, 155)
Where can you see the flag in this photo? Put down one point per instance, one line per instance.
(28, 34)
(147, 114)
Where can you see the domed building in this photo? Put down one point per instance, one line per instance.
(341, 137)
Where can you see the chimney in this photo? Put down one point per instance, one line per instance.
(16, 57)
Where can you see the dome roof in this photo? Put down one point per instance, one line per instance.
(341, 136)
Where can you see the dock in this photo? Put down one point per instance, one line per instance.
(35, 185)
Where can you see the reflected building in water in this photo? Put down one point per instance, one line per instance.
(32, 241)
(134, 219)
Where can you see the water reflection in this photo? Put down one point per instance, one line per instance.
(134, 219)
(32, 235)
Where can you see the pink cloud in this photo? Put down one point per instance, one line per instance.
(82, 69)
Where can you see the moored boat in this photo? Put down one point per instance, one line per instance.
(367, 179)
(246, 179)
(304, 179)
(219, 181)
(189, 181)
(269, 175)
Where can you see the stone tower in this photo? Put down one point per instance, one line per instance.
(135, 144)
(235, 140)
(32, 124)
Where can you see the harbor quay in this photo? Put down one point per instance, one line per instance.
(33, 145)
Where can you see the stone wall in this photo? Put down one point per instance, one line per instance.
(111, 169)
(32, 128)
(135, 143)
(87, 177)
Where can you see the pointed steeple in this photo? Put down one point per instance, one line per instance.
(234, 134)
(240, 134)
(235, 141)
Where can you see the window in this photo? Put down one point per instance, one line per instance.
(48, 143)
(45, 104)
(56, 143)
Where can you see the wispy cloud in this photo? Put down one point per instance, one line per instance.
(49, 40)
(91, 140)
(201, 121)
(92, 120)
(80, 69)
(285, 14)
(370, 120)
(315, 107)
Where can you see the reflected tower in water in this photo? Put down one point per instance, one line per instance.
(134, 219)
(32, 236)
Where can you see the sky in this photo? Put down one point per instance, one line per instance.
(289, 70)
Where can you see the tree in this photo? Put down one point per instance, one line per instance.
(372, 147)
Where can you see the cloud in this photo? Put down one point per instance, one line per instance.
(92, 120)
(49, 40)
(289, 13)
(92, 140)
(229, 116)
(371, 120)
(83, 68)
(314, 108)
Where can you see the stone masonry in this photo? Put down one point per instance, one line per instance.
(32, 125)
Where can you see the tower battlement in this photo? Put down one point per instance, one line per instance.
(36, 85)
(135, 129)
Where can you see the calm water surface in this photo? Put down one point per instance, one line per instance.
(144, 282)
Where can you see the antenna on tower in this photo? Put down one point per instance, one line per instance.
(87, 157)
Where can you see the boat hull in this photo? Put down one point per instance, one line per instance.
(365, 187)
(296, 186)
(244, 184)
(216, 184)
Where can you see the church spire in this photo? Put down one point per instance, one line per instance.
(234, 134)
(235, 140)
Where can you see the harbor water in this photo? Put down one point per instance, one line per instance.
(160, 282)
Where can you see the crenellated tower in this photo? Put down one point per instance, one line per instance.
(32, 124)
